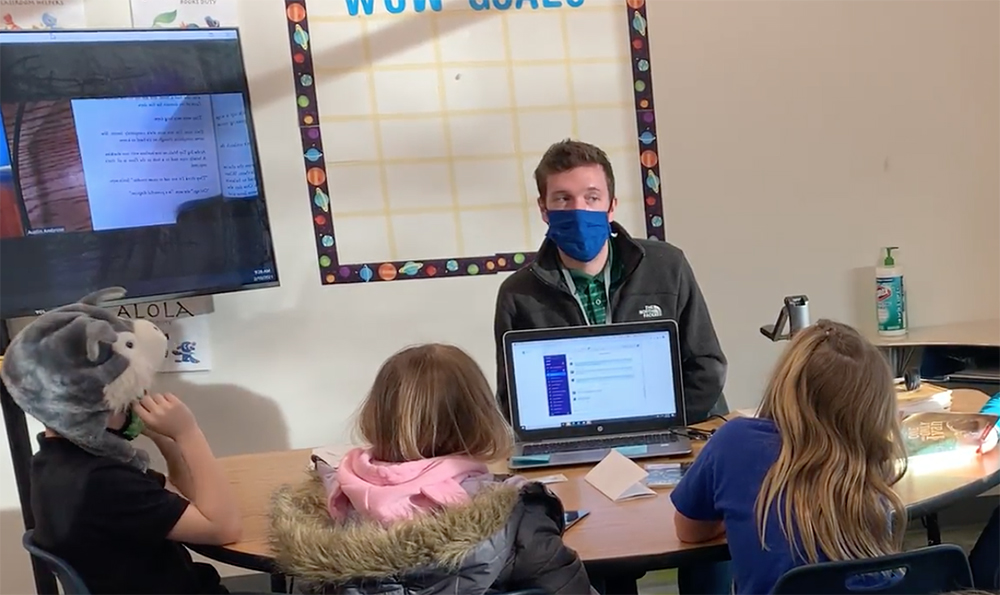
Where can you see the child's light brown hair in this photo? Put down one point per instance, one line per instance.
(429, 401)
(833, 400)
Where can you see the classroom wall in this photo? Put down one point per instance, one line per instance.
(796, 138)
(799, 137)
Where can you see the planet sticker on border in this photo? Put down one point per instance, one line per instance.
(313, 154)
(315, 176)
(386, 271)
(321, 200)
(296, 12)
(411, 268)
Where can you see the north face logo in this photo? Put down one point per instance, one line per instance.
(651, 311)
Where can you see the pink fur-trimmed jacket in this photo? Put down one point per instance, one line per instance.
(387, 492)
(437, 527)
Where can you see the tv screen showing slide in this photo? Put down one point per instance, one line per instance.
(128, 159)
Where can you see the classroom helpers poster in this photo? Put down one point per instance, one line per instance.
(42, 14)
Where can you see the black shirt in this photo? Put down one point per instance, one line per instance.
(110, 522)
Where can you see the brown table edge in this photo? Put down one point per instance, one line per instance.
(969, 490)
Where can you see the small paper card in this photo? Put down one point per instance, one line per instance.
(618, 478)
(557, 478)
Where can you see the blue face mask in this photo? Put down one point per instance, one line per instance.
(580, 234)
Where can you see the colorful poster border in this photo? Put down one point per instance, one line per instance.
(334, 271)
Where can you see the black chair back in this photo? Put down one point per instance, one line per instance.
(71, 582)
(927, 571)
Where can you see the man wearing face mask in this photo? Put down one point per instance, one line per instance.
(590, 271)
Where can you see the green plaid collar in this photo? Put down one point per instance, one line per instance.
(590, 290)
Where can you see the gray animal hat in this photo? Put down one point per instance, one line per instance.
(75, 366)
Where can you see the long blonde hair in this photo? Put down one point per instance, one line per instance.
(429, 401)
(833, 401)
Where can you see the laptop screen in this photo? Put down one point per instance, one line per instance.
(583, 380)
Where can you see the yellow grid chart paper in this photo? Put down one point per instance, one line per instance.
(422, 122)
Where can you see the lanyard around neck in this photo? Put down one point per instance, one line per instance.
(607, 293)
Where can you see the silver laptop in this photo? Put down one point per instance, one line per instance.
(578, 392)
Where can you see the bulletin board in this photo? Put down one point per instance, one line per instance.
(422, 122)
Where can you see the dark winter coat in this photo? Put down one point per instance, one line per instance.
(508, 537)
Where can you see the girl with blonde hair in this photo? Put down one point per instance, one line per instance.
(810, 479)
(417, 511)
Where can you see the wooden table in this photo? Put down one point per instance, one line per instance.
(637, 535)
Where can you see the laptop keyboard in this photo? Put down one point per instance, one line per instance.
(598, 443)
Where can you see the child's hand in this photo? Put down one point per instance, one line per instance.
(147, 431)
(165, 414)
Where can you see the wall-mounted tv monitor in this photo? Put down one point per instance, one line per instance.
(128, 159)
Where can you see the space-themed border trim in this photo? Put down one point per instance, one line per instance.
(333, 271)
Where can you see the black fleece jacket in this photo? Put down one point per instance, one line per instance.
(655, 275)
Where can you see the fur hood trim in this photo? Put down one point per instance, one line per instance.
(310, 546)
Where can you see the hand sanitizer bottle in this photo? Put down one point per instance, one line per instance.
(890, 296)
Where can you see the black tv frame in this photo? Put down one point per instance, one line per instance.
(129, 298)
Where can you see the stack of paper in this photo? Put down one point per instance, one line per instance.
(927, 398)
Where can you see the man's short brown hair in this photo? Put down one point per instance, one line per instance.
(430, 401)
(570, 154)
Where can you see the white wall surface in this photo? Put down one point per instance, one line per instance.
(796, 138)
(799, 137)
